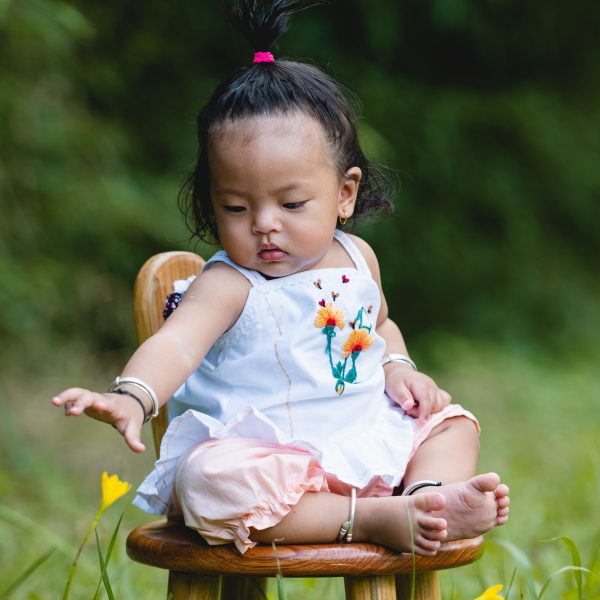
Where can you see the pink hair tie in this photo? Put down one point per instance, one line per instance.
(263, 57)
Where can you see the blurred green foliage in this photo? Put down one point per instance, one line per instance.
(488, 109)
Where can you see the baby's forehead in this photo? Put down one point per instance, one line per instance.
(295, 127)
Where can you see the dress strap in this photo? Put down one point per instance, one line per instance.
(253, 277)
(351, 248)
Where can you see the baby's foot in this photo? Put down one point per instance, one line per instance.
(387, 521)
(474, 506)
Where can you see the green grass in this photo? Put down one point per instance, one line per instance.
(540, 422)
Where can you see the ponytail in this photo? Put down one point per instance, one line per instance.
(263, 23)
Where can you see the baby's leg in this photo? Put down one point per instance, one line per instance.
(473, 504)
(317, 518)
(247, 491)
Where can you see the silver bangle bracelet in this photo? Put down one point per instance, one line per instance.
(401, 358)
(345, 534)
(142, 386)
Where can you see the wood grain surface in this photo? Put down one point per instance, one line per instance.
(171, 545)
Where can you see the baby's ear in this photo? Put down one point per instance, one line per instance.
(349, 191)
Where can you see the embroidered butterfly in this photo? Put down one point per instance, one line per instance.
(334, 295)
(352, 323)
(317, 284)
(322, 302)
(370, 309)
(345, 279)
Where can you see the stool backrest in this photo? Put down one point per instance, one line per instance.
(153, 284)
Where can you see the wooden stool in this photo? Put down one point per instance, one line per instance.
(198, 571)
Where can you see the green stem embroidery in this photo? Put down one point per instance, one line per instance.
(329, 331)
(359, 318)
(339, 370)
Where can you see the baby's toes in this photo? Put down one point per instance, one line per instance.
(500, 520)
(433, 528)
(426, 547)
(488, 482)
(503, 511)
(501, 491)
(427, 503)
(503, 502)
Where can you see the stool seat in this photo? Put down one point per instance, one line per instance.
(171, 545)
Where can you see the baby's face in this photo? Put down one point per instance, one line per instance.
(276, 193)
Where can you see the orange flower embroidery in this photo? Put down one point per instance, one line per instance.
(358, 340)
(330, 316)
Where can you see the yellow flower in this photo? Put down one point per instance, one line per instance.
(491, 593)
(112, 489)
(330, 315)
(357, 341)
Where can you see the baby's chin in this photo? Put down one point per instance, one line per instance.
(276, 269)
(275, 273)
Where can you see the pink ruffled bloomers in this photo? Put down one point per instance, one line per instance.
(224, 487)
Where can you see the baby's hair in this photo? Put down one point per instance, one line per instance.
(280, 87)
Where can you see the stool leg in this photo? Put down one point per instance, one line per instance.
(188, 586)
(427, 586)
(376, 587)
(243, 588)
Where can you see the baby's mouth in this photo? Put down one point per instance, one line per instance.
(271, 253)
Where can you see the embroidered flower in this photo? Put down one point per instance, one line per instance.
(358, 340)
(330, 316)
(327, 319)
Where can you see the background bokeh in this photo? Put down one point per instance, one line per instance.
(488, 110)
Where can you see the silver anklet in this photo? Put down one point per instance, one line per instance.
(417, 485)
(345, 534)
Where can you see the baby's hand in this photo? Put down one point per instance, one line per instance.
(415, 392)
(120, 411)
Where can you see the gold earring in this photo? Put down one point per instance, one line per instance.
(343, 219)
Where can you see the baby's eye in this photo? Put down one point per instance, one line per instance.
(294, 205)
(234, 209)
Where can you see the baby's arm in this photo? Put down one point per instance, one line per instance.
(210, 307)
(417, 393)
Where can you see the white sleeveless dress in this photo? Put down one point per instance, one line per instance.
(301, 366)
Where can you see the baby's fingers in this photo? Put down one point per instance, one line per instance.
(75, 400)
(70, 395)
(78, 400)
(132, 437)
(445, 397)
(405, 398)
(439, 401)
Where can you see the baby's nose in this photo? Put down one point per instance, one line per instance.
(266, 221)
